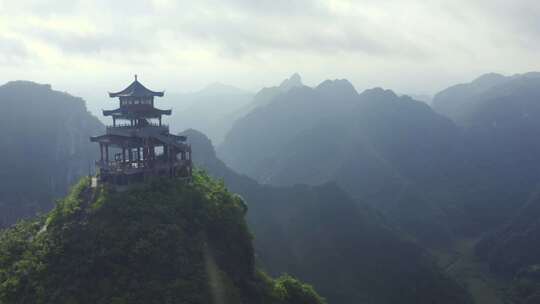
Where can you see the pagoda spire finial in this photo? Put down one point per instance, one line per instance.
(135, 77)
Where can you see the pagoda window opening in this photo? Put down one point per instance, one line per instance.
(143, 122)
(159, 151)
(130, 155)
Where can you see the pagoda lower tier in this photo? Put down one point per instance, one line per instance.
(140, 153)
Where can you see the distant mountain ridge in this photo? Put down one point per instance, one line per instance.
(319, 234)
(45, 147)
(461, 101)
(433, 178)
(266, 95)
(387, 150)
(211, 109)
(501, 123)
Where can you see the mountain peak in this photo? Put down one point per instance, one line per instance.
(205, 149)
(489, 79)
(379, 93)
(337, 85)
(27, 84)
(292, 82)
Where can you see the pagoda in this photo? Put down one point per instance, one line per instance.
(137, 145)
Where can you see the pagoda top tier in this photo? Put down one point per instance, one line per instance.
(136, 89)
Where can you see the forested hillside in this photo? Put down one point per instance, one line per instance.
(164, 241)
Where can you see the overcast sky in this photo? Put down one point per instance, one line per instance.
(410, 46)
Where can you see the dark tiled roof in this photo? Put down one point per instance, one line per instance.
(136, 89)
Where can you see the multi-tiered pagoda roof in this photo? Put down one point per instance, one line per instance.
(136, 89)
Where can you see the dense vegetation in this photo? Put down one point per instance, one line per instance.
(45, 147)
(513, 253)
(160, 242)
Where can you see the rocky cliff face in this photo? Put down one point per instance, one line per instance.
(45, 146)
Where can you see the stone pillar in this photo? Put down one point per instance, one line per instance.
(107, 152)
(144, 153)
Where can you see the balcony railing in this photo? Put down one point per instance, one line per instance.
(118, 167)
(148, 124)
(127, 129)
(129, 126)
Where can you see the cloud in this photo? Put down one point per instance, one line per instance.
(12, 51)
(93, 43)
(373, 41)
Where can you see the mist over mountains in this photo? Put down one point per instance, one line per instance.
(45, 147)
(387, 150)
(319, 234)
(211, 110)
(367, 195)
